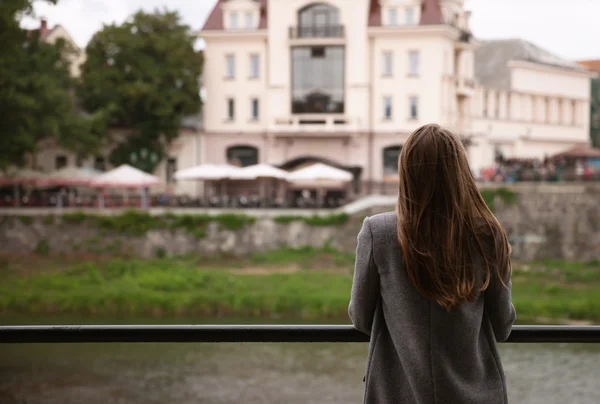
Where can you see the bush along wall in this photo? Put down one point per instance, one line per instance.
(135, 233)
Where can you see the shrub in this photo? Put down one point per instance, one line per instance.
(74, 218)
(234, 222)
(160, 252)
(331, 220)
(26, 220)
(48, 220)
(42, 247)
(287, 219)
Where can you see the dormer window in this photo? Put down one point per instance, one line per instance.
(409, 16)
(249, 20)
(233, 20)
(240, 15)
(392, 16)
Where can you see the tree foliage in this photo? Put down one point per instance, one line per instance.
(144, 75)
(36, 98)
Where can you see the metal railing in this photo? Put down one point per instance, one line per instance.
(253, 333)
(315, 31)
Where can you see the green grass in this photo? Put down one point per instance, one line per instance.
(316, 286)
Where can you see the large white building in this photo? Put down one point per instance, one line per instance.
(345, 82)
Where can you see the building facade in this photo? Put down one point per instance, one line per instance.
(345, 82)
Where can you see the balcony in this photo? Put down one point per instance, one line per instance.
(317, 31)
(465, 87)
(314, 124)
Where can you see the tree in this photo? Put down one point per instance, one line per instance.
(36, 97)
(144, 75)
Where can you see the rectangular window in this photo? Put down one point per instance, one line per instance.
(484, 112)
(392, 16)
(559, 110)
(387, 63)
(497, 106)
(414, 107)
(254, 108)
(409, 16)
(318, 83)
(171, 169)
(413, 61)
(387, 107)
(249, 20)
(230, 109)
(254, 66)
(574, 111)
(230, 60)
(60, 162)
(233, 20)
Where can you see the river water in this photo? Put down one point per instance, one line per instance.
(255, 373)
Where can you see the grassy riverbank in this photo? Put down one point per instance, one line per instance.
(307, 284)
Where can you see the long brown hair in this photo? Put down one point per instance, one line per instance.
(445, 227)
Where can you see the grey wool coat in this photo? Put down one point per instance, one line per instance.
(419, 353)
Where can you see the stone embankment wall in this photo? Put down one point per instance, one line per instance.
(544, 221)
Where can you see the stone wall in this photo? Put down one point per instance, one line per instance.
(545, 222)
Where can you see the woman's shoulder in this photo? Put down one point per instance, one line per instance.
(383, 225)
(382, 219)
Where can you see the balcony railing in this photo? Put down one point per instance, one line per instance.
(326, 31)
(253, 333)
(317, 123)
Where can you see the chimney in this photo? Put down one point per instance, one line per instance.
(43, 27)
(468, 15)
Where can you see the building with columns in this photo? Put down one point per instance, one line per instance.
(345, 82)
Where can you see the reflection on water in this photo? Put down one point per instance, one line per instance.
(257, 373)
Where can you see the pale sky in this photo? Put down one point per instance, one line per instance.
(566, 28)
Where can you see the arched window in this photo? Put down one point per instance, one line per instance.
(390, 160)
(242, 156)
(319, 20)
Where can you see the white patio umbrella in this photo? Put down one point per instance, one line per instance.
(125, 176)
(320, 176)
(16, 177)
(209, 172)
(21, 176)
(69, 176)
(320, 172)
(262, 173)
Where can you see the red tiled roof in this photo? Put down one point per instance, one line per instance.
(431, 14)
(593, 65)
(215, 19)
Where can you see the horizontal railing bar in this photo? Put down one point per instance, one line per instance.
(252, 333)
